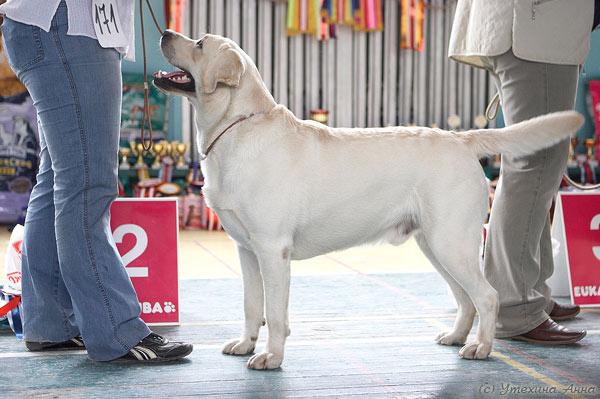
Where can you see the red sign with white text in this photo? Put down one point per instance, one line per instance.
(147, 236)
(581, 216)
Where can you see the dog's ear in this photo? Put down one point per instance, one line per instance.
(226, 67)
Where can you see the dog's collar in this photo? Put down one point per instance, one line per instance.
(211, 145)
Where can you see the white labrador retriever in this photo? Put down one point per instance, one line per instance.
(287, 189)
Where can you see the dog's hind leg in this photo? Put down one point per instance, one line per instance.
(253, 306)
(275, 270)
(466, 310)
(457, 252)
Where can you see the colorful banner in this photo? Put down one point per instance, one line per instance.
(363, 15)
(174, 10)
(368, 17)
(339, 11)
(303, 16)
(411, 24)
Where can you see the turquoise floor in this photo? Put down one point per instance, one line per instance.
(353, 336)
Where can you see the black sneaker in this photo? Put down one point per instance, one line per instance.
(73, 343)
(155, 348)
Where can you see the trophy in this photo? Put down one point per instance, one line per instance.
(140, 164)
(157, 151)
(319, 115)
(138, 150)
(124, 153)
(169, 148)
(572, 162)
(591, 156)
(181, 149)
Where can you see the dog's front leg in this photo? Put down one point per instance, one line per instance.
(253, 306)
(275, 269)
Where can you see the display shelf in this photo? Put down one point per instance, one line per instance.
(129, 177)
(133, 173)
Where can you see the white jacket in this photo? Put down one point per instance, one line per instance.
(79, 12)
(550, 31)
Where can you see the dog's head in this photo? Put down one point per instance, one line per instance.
(203, 64)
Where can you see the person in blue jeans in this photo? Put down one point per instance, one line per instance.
(75, 289)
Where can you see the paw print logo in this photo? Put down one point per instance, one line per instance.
(169, 307)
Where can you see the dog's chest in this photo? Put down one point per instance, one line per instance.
(234, 227)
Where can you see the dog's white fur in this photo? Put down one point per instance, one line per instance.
(286, 189)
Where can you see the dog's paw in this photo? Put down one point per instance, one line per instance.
(238, 346)
(450, 338)
(265, 360)
(475, 350)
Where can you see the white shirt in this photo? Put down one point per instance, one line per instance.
(41, 12)
(550, 31)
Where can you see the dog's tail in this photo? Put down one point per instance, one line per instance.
(525, 137)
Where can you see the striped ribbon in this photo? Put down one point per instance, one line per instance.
(195, 179)
(174, 10)
(122, 192)
(411, 24)
(588, 173)
(303, 16)
(368, 17)
(144, 192)
(212, 221)
(165, 173)
(339, 11)
(143, 174)
(147, 192)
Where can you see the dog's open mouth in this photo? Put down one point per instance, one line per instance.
(178, 80)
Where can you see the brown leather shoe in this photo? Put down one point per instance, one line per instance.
(564, 312)
(551, 333)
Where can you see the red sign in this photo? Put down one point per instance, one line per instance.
(579, 214)
(147, 236)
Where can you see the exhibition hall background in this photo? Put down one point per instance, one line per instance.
(457, 90)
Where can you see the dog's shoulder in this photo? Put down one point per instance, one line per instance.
(284, 118)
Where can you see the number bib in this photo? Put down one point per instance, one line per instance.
(107, 24)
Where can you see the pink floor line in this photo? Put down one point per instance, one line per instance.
(384, 284)
(357, 364)
(545, 364)
(208, 251)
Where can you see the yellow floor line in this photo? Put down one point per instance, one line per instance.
(586, 310)
(519, 366)
(539, 376)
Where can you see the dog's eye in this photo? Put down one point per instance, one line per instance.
(199, 43)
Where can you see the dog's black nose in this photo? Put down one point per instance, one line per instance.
(168, 33)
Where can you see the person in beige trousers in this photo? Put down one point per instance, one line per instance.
(534, 51)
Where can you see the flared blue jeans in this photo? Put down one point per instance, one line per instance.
(73, 277)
